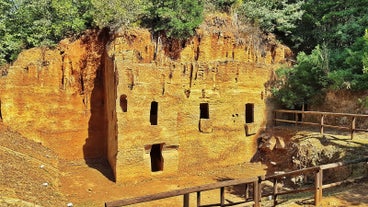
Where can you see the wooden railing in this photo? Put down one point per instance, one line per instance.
(197, 189)
(255, 183)
(322, 115)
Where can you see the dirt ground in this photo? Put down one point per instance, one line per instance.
(32, 175)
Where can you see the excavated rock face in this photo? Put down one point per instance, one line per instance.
(182, 106)
(150, 105)
(55, 96)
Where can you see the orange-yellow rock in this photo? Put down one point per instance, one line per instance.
(150, 106)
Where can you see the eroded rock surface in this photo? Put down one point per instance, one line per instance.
(137, 99)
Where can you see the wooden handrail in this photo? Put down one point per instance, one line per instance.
(179, 192)
(320, 113)
(352, 127)
(256, 181)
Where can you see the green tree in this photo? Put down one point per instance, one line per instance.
(306, 80)
(10, 45)
(270, 15)
(350, 66)
(30, 23)
(219, 5)
(117, 13)
(177, 19)
(340, 27)
(335, 23)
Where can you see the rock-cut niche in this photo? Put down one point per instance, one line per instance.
(124, 103)
(204, 111)
(249, 113)
(154, 113)
(157, 161)
(1, 115)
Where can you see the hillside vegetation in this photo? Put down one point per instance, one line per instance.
(329, 37)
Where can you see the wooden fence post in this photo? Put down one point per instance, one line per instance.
(198, 198)
(186, 200)
(353, 127)
(322, 123)
(222, 196)
(246, 192)
(303, 109)
(275, 191)
(257, 192)
(318, 188)
(296, 118)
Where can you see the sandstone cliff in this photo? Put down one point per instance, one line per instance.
(130, 96)
(54, 96)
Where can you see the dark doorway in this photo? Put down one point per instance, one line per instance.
(204, 111)
(249, 113)
(154, 113)
(157, 161)
(124, 103)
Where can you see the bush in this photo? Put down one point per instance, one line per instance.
(306, 80)
(177, 19)
(116, 13)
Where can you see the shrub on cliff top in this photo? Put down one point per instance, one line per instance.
(175, 18)
(116, 13)
(31, 23)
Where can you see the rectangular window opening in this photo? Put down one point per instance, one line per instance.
(204, 111)
(157, 160)
(249, 113)
(154, 113)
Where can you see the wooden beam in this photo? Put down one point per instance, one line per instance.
(295, 172)
(179, 192)
(186, 200)
(320, 113)
(222, 196)
(330, 185)
(318, 188)
(343, 163)
(352, 127)
(198, 198)
(299, 190)
(275, 191)
(257, 193)
(322, 123)
(246, 195)
(257, 190)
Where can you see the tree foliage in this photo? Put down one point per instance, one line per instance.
(272, 16)
(177, 18)
(30, 23)
(219, 5)
(307, 79)
(117, 13)
(330, 36)
(341, 27)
